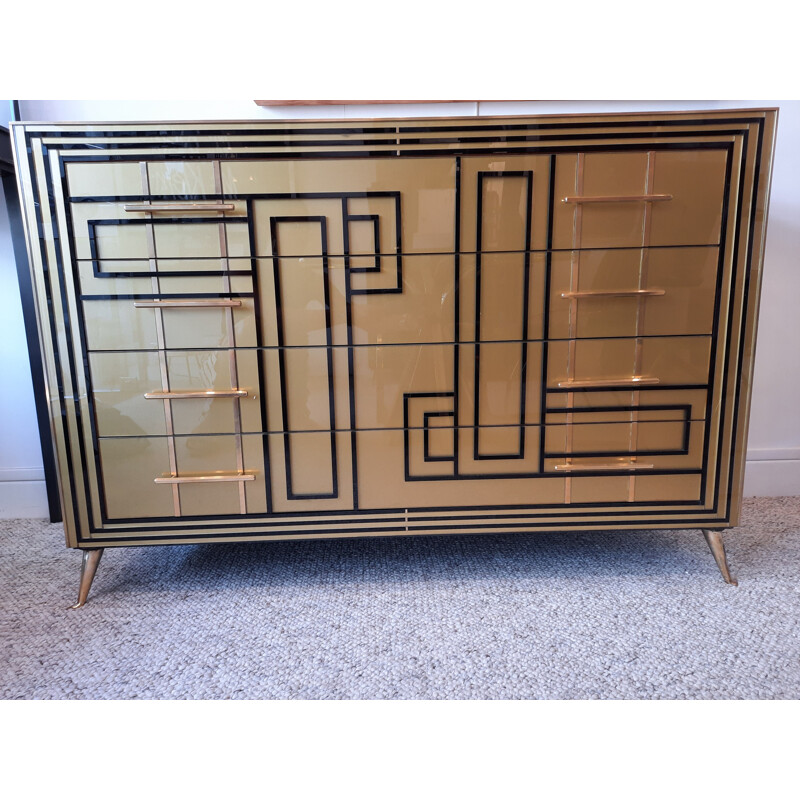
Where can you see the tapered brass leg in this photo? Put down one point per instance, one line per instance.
(714, 539)
(91, 558)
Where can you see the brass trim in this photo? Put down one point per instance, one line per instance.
(592, 467)
(179, 207)
(211, 303)
(173, 479)
(623, 198)
(635, 381)
(616, 293)
(210, 395)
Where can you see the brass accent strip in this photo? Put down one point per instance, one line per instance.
(629, 198)
(210, 303)
(162, 344)
(644, 256)
(574, 283)
(174, 479)
(616, 293)
(623, 382)
(593, 467)
(231, 331)
(179, 207)
(211, 394)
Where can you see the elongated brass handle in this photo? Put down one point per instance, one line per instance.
(634, 381)
(615, 293)
(179, 206)
(210, 395)
(628, 466)
(622, 198)
(211, 303)
(238, 477)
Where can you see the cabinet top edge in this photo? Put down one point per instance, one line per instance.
(467, 121)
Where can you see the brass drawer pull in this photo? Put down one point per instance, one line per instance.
(626, 198)
(238, 477)
(620, 293)
(630, 466)
(210, 395)
(623, 382)
(212, 303)
(179, 207)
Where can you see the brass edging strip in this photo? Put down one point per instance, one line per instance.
(174, 479)
(212, 303)
(619, 293)
(622, 382)
(211, 395)
(161, 342)
(630, 198)
(230, 329)
(179, 207)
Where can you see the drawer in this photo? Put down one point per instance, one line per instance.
(106, 232)
(417, 193)
(597, 364)
(590, 209)
(113, 324)
(130, 466)
(676, 444)
(121, 381)
(404, 300)
(598, 293)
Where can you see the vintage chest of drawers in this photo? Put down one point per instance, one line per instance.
(270, 330)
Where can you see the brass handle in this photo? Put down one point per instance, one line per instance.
(623, 198)
(240, 476)
(208, 395)
(620, 293)
(213, 303)
(630, 466)
(634, 381)
(179, 207)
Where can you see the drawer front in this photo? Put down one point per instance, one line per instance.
(186, 321)
(619, 199)
(203, 389)
(130, 467)
(602, 364)
(645, 292)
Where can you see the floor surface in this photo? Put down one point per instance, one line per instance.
(575, 615)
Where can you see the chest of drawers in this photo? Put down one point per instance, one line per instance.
(270, 330)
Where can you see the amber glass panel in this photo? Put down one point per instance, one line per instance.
(426, 185)
(694, 178)
(121, 379)
(673, 360)
(687, 277)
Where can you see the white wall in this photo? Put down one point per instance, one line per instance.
(773, 454)
(22, 492)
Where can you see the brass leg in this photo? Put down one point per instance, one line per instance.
(91, 558)
(714, 540)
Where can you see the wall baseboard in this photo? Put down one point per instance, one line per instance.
(23, 497)
(772, 478)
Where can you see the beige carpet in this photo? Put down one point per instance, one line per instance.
(581, 615)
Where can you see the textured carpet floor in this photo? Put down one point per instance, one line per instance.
(579, 615)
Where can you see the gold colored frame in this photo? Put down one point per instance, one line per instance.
(749, 134)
